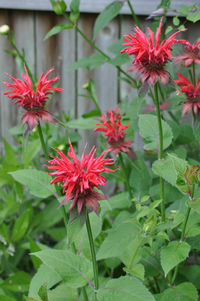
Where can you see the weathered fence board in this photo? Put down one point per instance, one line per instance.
(141, 7)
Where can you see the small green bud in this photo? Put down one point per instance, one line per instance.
(59, 6)
(4, 29)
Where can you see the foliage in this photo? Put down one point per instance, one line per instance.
(144, 242)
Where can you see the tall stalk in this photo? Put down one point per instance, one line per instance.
(65, 217)
(92, 249)
(183, 231)
(124, 170)
(160, 152)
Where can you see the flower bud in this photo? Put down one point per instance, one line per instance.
(59, 6)
(4, 29)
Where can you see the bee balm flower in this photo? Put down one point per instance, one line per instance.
(192, 93)
(191, 54)
(114, 132)
(32, 101)
(150, 56)
(79, 178)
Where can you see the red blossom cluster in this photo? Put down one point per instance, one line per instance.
(33, 101)
(192, 93)
(79, 178)
(151, 56)
(114, 132)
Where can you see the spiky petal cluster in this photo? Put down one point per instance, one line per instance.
(191, 54)
(192, 93)
(79, 178)
(114, 132)
(150, 56)
(32, 101)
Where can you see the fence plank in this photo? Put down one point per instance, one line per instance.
(144, 7)
(18, 21)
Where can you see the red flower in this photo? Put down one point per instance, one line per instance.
(191, 55)
(80, 177)
(114, 132)
(192, 93)
(32, 101)
(150, 58)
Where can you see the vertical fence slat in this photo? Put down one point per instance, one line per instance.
(84, 105)
(22, 24)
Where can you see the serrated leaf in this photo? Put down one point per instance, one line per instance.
(172, 254)
(91, 62)
(120, 59)
(73, 269)
(125, 289)
(44, 275)
(63, 293)
(37, 182)
(166, 170)
(183, 292)
(124, 233)
(82, 123)
(30, 152)
(148, 127)
(56, 29)
(10, 153)
(109, 13)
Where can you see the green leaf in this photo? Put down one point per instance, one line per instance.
(172, 254)
(193, 17)
(170, 168)
(82, 123)
(192, 274)
(124, 233)
(183, 292)
(120, 59)
(44, 275)
(176, 21)
(185, 9)
(73, 269)
(91, 62)
(125, 289)
(11, 156)
(34, 248)
(56, 29)
(109, 13)
(7, 298)
(37, 182)
(19, 282)
(166, 170)
(21, 225)
(43, 292)
(63, 293)
(74, 7)
(148, 127)
(30, 152)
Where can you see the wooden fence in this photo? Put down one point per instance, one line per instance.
(60, 52)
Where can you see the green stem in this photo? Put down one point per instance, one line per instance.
(181, 239)
(193, 74)
(92, 249)
(44, 147)
(135, 253)
(124, 169)
(160, 154)
(135, 18)
(92, 44)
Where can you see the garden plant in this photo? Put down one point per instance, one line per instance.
(64, 236)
